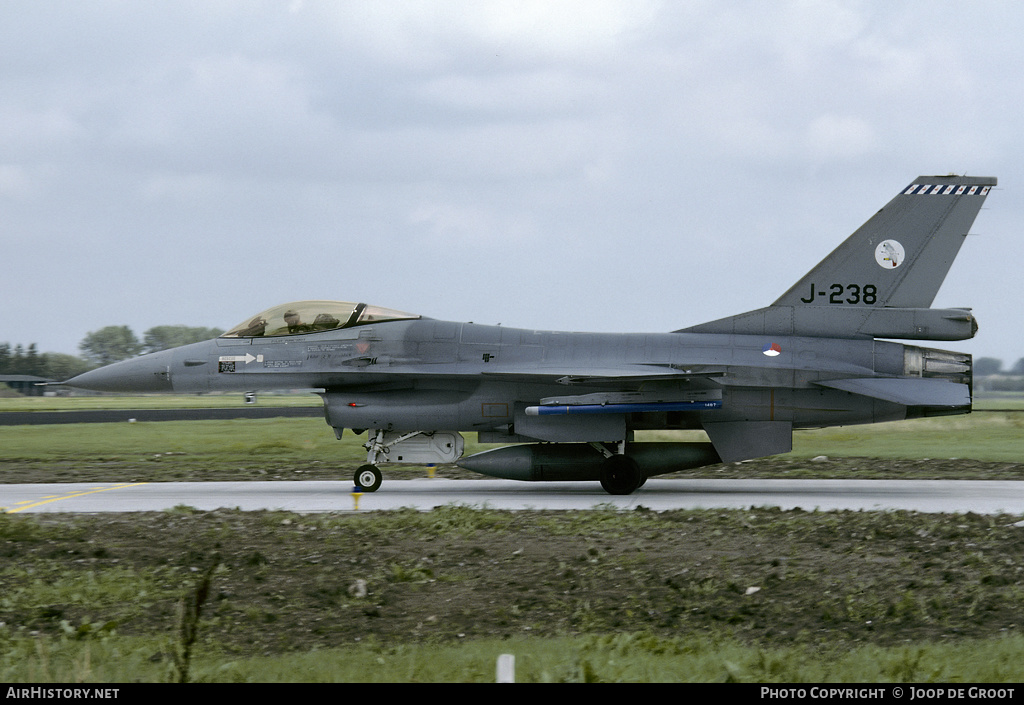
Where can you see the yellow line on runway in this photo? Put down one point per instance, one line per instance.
(57, 498)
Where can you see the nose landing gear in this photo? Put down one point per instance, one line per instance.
(368, 478)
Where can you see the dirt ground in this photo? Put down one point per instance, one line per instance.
(284, 582)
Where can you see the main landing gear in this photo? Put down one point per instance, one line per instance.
(620, 474)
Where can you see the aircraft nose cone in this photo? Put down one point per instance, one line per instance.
(144, 374)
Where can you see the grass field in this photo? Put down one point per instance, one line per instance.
(987, 435)
(266, 446)
(151, 401)
(622, 658)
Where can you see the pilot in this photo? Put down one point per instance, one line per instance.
(325, 321)
(295, 324)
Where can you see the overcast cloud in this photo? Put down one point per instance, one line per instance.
(609, 166)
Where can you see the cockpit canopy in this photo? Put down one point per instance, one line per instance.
(313, 317)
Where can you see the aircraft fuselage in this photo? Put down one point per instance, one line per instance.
(431, 374)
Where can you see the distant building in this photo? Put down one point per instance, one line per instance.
(27, 385)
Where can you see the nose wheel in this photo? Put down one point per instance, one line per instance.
(368, 478)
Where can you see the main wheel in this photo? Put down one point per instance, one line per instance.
(368, 478)
(621, 475)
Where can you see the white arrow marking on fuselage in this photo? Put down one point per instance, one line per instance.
(247, 358)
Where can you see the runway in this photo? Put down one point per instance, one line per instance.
(981, 497)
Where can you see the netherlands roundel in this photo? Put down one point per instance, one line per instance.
(771, 349)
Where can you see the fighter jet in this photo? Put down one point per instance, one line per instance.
(566, 406)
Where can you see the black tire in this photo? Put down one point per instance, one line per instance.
(368, 478)
(621, 475)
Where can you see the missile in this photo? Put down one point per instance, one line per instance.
(551, 462)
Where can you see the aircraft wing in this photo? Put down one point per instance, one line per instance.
(615, 376)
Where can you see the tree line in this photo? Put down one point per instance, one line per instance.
(101, 347)
(985, 366)
(989, 375)
(20, 360)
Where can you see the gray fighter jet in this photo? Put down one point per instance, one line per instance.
(565, 406)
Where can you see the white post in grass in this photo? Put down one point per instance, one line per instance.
(507, 668)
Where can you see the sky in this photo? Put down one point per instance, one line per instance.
(594, 165)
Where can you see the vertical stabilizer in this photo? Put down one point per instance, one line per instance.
(881, 281)
(900, 257)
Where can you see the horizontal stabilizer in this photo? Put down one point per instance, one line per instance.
(914, 391)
